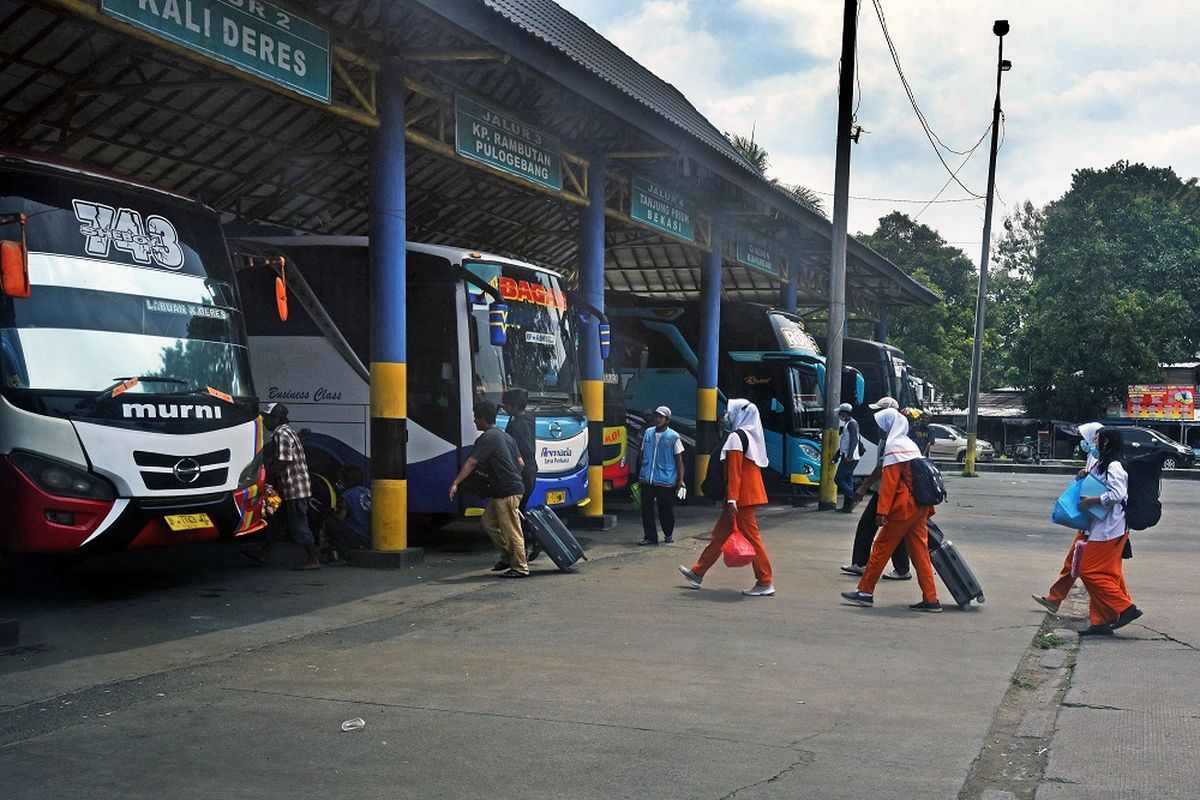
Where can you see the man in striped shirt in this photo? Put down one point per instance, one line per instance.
(287, 471)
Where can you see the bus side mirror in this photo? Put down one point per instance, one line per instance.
(860, 389)
(281, 303)
(14, 268)
(643, 361)
(497, 324)
(605, 339)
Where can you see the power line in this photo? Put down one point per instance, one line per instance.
(900, 200)
(934, 141)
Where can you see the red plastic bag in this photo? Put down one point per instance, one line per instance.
(737, 549)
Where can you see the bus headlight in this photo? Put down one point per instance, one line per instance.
(59, 478)
(252, 471)
(810, 452)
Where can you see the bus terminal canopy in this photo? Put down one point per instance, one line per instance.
(265, 112)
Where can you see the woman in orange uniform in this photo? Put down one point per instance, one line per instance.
(899, 517)
(743, 492)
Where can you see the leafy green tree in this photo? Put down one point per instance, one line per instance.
(758, 157)
(1115, 288)
(1008, 296)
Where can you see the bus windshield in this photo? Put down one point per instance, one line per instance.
(539, 355)
(124, 284)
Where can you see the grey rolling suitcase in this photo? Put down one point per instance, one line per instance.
(952, 568)
(555, 539)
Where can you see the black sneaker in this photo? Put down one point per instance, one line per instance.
(647, 542)
(1097, 630)
(512, 573)
(500, 566)
(1127, 616)
(859, 598)
(934, 608)
(668, 540)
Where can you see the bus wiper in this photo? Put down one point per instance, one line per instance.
(124, 384)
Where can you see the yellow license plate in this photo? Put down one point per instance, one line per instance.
(187, 522)
(556, 498)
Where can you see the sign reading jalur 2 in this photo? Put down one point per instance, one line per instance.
(253, 36)
(1162, 402)
(502, 141)
(755, 252)
(662, 209)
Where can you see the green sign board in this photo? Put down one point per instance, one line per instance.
(756, 252)
(253, 36)
(662, 208)
(505, 143)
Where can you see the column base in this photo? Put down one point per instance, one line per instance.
(10, 632)
(604, 522)
(386, 559)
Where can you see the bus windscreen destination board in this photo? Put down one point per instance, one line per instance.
(756, 252)
(254, 36)
(662, 209)
(505, 143)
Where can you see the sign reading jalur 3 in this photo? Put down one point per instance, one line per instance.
(505, 143)
(253, 36)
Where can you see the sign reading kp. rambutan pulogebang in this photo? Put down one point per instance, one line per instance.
(503, 142)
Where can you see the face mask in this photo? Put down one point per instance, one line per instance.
(1090, 449)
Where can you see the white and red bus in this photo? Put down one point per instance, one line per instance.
(127, 414)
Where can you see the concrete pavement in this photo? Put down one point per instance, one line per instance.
(616, 681)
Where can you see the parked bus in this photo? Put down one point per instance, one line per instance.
(885, 373)
(128, 416)
(767, 357)
(616, 449)
(315, 362)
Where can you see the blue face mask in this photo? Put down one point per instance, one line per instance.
(1091, 449)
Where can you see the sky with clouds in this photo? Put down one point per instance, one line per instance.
(1091, 83)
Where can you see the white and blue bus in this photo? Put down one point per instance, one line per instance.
(128, 417)
(315, 361)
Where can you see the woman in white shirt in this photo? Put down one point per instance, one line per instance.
(1100, 567)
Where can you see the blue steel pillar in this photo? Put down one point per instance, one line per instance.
(389, 300)
(591, 290)
(881, 328)
(710, 342)
(787, 295)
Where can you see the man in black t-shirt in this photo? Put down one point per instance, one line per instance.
(496, 453)
(522, 427)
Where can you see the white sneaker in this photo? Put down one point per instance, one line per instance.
(852, 569)
(898, 576)
(759, 591)
(692, 578)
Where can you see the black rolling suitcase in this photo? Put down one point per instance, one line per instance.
(952, 568)
(544, 525)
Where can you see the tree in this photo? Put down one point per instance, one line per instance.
(1008, 296)
(1115, 288)
(758, 157)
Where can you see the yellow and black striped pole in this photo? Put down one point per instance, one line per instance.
(707, 430)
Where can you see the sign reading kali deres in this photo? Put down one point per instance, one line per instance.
(253, 36)
(505, 143)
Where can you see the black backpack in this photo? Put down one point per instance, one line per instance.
(713, 486)
(1142, 508)
(927, 486)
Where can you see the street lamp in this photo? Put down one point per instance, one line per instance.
(1000, 28)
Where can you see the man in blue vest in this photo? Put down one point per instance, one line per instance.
(660, 476)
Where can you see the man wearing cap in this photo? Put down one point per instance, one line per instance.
(660, 476)
(847, 456)
(287, 471)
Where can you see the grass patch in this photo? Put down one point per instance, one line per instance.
(1048, 641)
(1022, 683)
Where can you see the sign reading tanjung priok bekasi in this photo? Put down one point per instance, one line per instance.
(662, 209)
(756, 252)
(254, 36)
(505, 143)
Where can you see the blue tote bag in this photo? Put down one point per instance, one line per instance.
(1066, 509)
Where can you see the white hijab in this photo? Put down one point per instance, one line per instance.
(743, 415)
(1088, 431)
(898, 448)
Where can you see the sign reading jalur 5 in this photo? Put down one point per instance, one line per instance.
(662, 209)
(253, 36)
(505, 143)
(756, 252)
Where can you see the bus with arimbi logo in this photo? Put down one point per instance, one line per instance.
(127, 414)
(315, 362)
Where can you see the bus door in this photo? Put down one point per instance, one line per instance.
(767, 385)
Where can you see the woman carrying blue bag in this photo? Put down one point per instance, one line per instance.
(1061, 587)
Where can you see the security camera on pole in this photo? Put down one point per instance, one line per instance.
(1000, 28)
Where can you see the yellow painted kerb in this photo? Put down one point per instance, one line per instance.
(389, 390)
(389, 514)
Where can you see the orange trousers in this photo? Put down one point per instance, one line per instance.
(748, 524)
(1060, 588)
(916, 536)
(1100, 571)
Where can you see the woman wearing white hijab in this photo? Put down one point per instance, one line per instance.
(743, 491)
(899, 517)
(1058, 591)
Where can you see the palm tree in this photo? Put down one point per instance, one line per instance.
(760, 160)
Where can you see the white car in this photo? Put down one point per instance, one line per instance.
(950, 442)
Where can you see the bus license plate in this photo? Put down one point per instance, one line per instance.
(556, 498)
(187, 522)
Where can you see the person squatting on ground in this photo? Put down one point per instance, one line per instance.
(287, 471)
(864, 534)
(522, 427)
(660, 476)
(1061, 587)
(744, 491)
(495, 453)
(847, 457)
(899, 516)
(1109, 605)
(347, 526)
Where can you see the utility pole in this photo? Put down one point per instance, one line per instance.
(1000, 28)
(837, 261)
